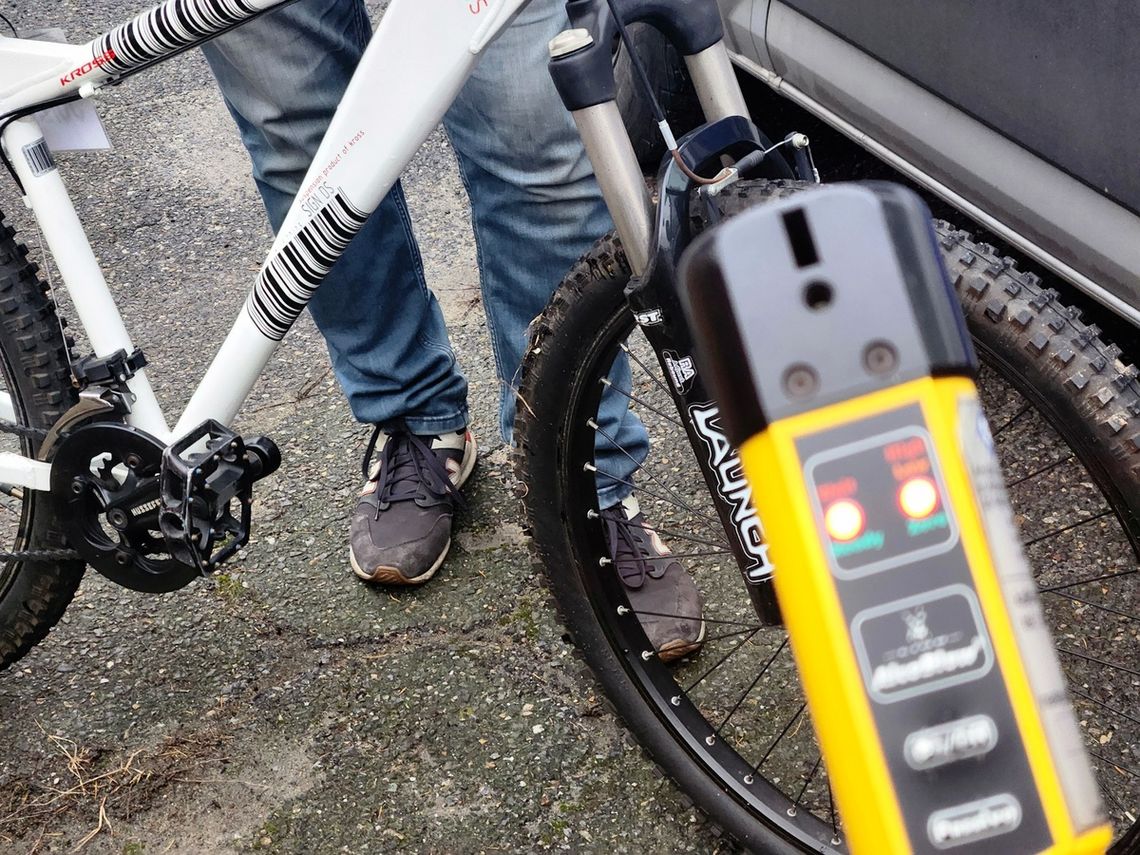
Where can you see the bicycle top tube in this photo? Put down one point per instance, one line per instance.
(45, 72)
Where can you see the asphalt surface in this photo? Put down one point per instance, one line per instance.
(285, 707)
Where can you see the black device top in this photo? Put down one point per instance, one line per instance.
(832, 294)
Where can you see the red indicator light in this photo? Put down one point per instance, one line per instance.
(844, 520)
(918, 498)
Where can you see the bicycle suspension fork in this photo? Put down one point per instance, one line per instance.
(582, 68)
(581, 65)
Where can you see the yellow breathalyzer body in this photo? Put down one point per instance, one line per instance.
(837, 353)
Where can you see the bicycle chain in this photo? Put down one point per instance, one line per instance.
(33, 554)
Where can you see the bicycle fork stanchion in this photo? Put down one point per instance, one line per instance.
(582, 67)
(833, 343)
(715, 82)
(611, 154)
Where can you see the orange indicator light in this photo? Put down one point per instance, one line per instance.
(844, 520)
(918, 498)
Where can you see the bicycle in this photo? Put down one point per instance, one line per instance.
(191, 529)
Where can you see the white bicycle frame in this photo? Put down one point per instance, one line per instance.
(418, 60)
(410, 73)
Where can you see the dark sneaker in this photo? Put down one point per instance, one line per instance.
(662, 594)
(401, 530)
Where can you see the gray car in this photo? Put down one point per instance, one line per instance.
(1022, 115)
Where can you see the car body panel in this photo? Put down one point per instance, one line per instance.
(1063, 220)
(740, 27)
(1060, 77)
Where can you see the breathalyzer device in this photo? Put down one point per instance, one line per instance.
(832, 340)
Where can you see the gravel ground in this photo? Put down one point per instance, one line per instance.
(284, 707)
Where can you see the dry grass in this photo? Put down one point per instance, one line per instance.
(94, 788)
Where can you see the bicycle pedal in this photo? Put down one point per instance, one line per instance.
(203, 475)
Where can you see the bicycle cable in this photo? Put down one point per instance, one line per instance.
(654, 104)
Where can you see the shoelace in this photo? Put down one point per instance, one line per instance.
(619, 533)
(406, 462)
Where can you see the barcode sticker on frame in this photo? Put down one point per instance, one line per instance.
(39, 157)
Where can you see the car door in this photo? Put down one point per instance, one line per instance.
(1022, 111)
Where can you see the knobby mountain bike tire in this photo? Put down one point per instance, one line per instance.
(729, 724)
(36, 376)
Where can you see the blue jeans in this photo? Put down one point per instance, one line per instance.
(535, 208)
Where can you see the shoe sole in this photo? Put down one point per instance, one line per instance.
(673, 650)
(392, 575)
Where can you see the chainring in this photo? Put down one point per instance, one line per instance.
(105, 485)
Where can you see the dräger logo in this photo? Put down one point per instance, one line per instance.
(87, 67)
(734, 489)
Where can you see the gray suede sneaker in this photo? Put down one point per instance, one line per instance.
(401, 530)
(664, 597)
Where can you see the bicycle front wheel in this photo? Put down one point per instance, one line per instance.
(730, 725)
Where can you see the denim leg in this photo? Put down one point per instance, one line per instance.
(535, 208)
(282, 76)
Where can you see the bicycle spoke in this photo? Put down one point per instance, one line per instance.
(670, 417)
(677, 499)
(831, 813)
(1093, 605)
(787, 727)
(1104, 706)
(679, 535)
(590, 467)
(722, 636)
(1005, 425)
(1011, 484)
(1069, 527)
(752, 686)
(1116, 803)
(1132, 773)
(748, 626)
(807, 783)
(1068, 652)
(1088, 581)
(650, 374)
(711, 554)
(720, 661)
